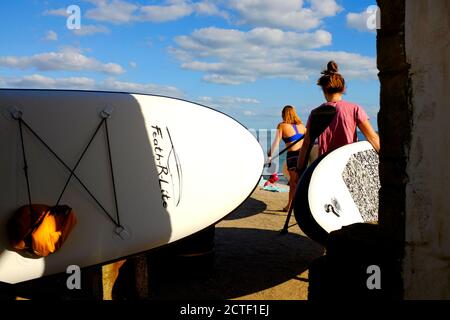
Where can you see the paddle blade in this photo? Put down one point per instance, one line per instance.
(320, 119)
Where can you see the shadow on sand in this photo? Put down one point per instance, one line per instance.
(244, 261)
(249, 208)
(54, 287)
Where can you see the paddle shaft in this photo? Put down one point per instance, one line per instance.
(291, 207)
(284, 150)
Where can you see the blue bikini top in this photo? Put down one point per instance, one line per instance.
(295, 137)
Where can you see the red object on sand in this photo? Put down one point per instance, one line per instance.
(272, 179)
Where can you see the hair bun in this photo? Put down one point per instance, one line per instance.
(331, 81)
(332, 68)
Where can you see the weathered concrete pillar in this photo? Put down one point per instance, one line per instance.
(427, 252)
(394, 123)
(394, 119)
(414, 125)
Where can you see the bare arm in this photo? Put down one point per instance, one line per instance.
(276, 142)
(370, 134)
(302, 160)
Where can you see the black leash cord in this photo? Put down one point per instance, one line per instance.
(112, 172)
(78, 162)
(70, 170)
(25, 163)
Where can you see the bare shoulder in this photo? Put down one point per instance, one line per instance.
(301, 128)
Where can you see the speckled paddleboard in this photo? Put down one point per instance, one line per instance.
(338, 190)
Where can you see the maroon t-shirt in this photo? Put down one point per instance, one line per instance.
(342, 130)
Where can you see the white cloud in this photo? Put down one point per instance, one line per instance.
(171, 12)
(249, 113)
(325, 8)
(359, 21)
(41, 82)
(62, 12)
(51, 36)
(115, 85)
(87, 30)
(37, 81)
(233, 57)
(97, 2)
(239, 108)
(351, 65)
(211, 39)
(209, 9)
(115, 11)
(232, 79)
(133, 64)
(120, 11)
(68, 59)
(233, 106)
(227, 101)
(290, 14)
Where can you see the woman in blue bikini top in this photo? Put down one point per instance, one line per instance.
(295, 137)
(291, 130)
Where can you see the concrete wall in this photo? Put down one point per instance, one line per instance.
(426, 265)
(394, 124)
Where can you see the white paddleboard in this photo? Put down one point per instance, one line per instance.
(337, 190)
(178, 167)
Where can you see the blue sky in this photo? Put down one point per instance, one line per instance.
(247, 58)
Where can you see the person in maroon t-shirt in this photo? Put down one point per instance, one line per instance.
(349, 116)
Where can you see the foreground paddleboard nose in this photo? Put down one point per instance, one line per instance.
(178, 168)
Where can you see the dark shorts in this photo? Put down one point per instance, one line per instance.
(291, 159)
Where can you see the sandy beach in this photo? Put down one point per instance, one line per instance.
(252, 260)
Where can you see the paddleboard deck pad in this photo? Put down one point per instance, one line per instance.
(175, 168)
(337, 190)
